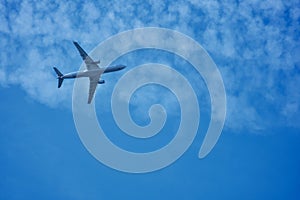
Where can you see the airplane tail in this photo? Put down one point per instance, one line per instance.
(59, 77)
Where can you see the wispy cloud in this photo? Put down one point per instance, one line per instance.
(254, 43)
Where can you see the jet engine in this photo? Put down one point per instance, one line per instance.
(101, 82)
(96, 62)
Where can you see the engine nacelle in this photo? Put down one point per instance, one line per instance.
(96, 62)
(101, 81)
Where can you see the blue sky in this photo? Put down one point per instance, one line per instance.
(255, 45)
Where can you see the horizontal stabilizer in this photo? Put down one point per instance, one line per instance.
(57, 72)
(59, 77)
(60, 81)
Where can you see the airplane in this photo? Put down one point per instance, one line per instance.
(93, 71)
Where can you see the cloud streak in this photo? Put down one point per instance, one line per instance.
(254, 43)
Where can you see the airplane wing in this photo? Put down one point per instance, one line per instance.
(93, 85)
(90, 64)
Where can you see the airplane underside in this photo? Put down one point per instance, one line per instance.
(93, 72)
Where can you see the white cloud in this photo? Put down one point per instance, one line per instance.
(2, 77)
(255, 44)
(4, 25)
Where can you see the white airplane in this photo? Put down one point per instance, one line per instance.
(93, 71)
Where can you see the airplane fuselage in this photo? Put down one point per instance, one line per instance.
(90, 73)
(93, 72)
